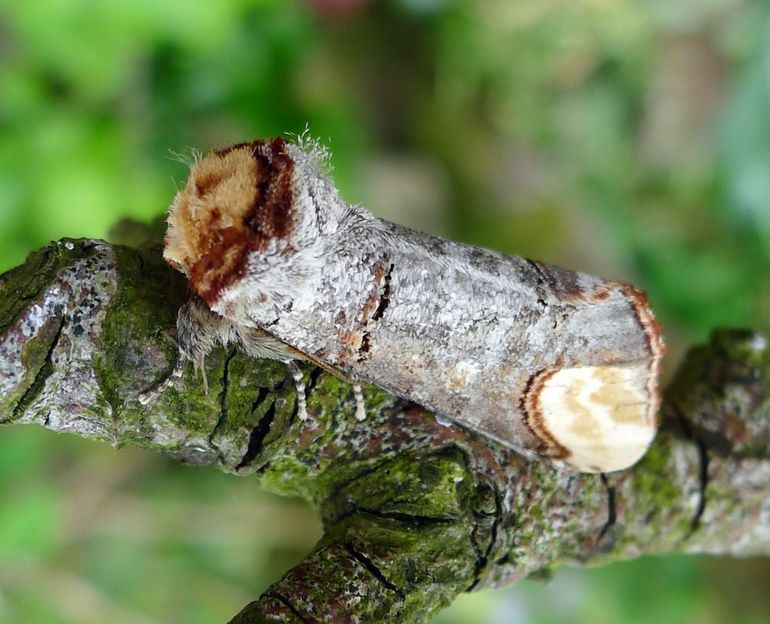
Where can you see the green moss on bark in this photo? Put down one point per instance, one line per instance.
(414, 512)
(140, 309)
(38, 367)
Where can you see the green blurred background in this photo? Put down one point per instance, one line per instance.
(625, 138)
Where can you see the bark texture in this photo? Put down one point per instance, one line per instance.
(414, 511)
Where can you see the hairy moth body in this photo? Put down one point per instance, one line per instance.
(547, 361)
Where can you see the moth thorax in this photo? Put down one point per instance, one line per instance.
(236, 201)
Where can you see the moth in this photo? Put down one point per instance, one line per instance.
(549, 362)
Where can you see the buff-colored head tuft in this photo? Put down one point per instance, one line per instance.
(235, 200)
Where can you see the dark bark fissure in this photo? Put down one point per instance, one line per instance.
(482, 555)
(703, 475)
(43, 373)
(258, 433)
(369, 565)
(262, 429)
(414, 520)
(288, 604)
(493, 529)
(343, 484)
(481, 561)
(483, 558)
(689, 434)
(612, 513)
(262, 394)
(222, 405)
(140, 262)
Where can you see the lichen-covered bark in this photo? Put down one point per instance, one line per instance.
(415, 512)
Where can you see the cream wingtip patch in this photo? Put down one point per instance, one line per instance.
(599, 418)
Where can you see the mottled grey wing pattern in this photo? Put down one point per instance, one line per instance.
(547, 361)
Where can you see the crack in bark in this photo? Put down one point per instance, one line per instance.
(222, 406)
(482, 559)
(369, 565)
(260, 431)
(414, 519)
(370, 468)
(43, 373)
(258, 434)
(612, 512)
(287, 603)
(261, 396)
(703, 460)
(703, 475)
(335, 489)
(493, 530)
(140, 260)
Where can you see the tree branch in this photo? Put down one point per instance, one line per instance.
(414, 512)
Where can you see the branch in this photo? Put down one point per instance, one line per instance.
(415, 512)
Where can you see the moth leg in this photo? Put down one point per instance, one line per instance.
(300, 385)
(258, 344)
(198, 329)
(358, 395)
(200, 368)
(152, 393)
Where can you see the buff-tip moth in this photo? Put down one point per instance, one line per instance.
(546, 361)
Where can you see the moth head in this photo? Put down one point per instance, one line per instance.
(236, 201)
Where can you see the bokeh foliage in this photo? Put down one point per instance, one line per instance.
(629, 138)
